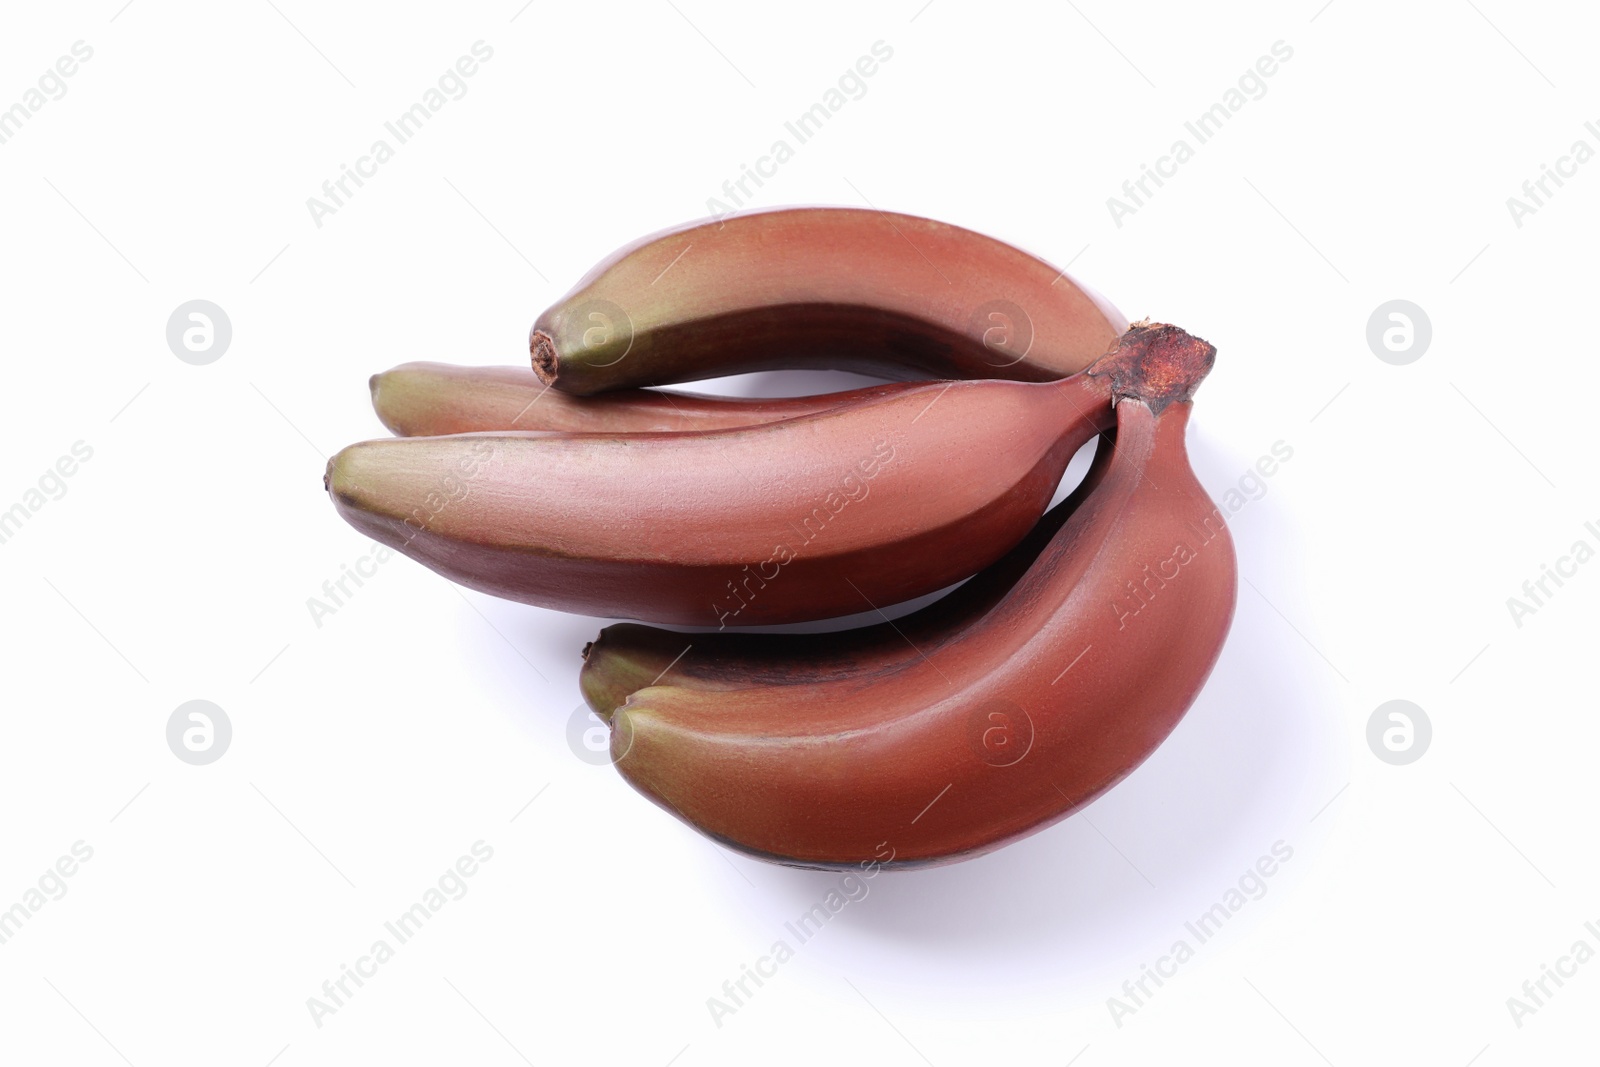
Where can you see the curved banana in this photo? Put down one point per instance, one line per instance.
(627, 656)
(432, 399)
(1048, 699)
(895, 296)
(870, 503)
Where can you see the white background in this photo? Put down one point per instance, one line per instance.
(372, 751)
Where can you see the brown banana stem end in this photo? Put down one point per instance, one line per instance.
(1156, 363)
(543, 350)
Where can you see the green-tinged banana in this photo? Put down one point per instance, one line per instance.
(431, 399)
(891, 295)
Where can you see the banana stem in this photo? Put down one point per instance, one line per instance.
(1155, 362)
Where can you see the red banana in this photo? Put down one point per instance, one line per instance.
(433, 399)
(1035, 708)
(895, 296)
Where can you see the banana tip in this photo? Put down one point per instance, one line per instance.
(336, 475)
(543, 351)
(622, 730)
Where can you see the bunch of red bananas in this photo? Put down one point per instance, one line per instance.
(1076, 643)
